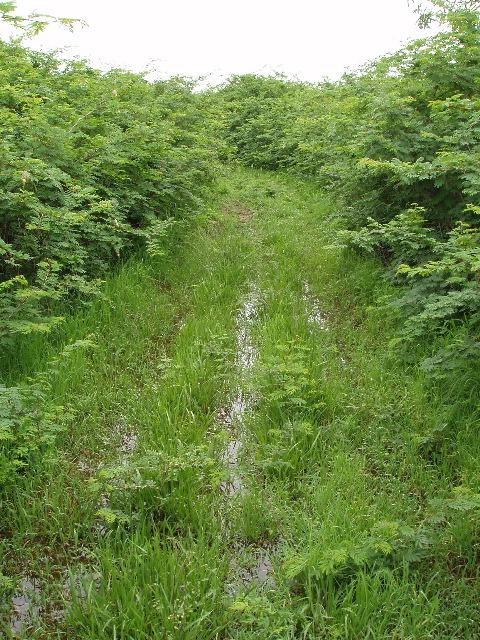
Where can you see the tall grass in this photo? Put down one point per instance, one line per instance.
(350, 447)
(164, 341)
(349, 458)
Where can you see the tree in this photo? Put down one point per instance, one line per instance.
(34, 23)
(440, 11)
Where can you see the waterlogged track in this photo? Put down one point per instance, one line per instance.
(233, 416)
(234, 419)
(244, 462)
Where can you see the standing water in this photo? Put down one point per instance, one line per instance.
(233, 420)
(313, 308)
(233, 416)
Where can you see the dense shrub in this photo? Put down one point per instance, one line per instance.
(91, 164)
(94, 165)
(398, 143)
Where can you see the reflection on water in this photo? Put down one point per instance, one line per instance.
(25, 604)
(313, 308)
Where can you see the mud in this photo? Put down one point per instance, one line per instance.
(238, 209)
(232, 419)
(232, 416)
(258, 571)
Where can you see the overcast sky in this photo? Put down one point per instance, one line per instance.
(310, 39)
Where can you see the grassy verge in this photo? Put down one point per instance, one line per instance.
(349, 456)
(354, 456)
(114, 534)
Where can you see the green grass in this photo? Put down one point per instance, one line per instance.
(343, 449)
(342, 440)
(165, 341)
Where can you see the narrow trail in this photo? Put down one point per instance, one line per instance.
(241, 466)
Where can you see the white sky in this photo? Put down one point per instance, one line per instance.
(310, 39)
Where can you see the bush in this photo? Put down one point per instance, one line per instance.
(91, 163)
(94, 166)
(398, 144)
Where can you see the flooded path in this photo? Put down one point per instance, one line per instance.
(232, 417)
(233, 444)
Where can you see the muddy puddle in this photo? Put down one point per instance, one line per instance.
(315, 316)
(232, 419)
(25, 605)
(230, 456)
(256, 569)
(232, 416)
(28, 604)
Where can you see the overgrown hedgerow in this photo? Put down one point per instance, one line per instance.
(94, 166)
(92, 163)
(400, 135)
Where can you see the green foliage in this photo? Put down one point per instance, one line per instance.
(439, 292)
(292, 399)
(94, 164)
(442, 10)
(29, 420)
(256, 115)
(400, 131)
(402, 238)
(387, 543)
(152, 481)
(398, 143)
(445, 288)
(33, 24)
(287, 384)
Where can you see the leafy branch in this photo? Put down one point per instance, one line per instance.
(34, 23)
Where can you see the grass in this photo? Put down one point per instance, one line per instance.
(344, 440)
(164, 336)
(344, 449)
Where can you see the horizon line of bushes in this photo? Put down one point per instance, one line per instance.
(398, 145)
(95, 165)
